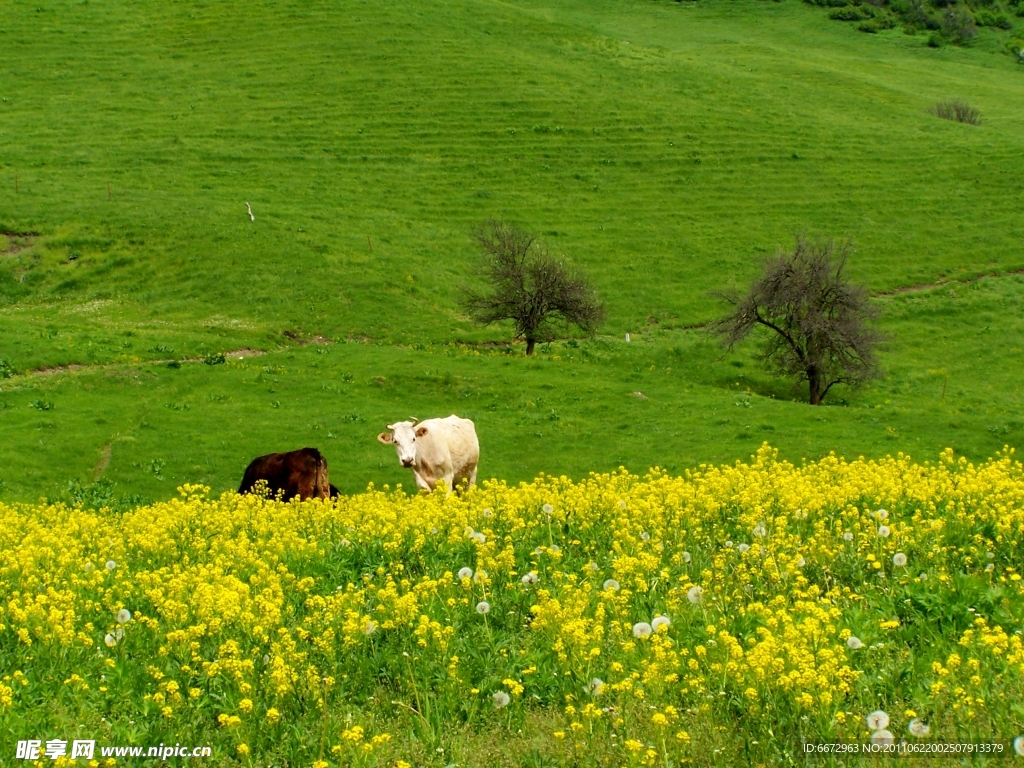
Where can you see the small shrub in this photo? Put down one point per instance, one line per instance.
(215, 358)
(41, 405)
(935, 40)
(990, 19)
(875, 25)
(6, 369)
(958, 110)
(958, 24)
(848, 13)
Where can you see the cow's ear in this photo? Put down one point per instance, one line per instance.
(421, 432)
(386, 437)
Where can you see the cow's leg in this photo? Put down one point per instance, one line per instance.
(422, 483)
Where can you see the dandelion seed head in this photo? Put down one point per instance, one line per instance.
(478, 537)
(847, 536)
(645, 536)
(801, 563)
(729, 544)
(119, 634)
(548, 509)
(483, 607)
(854, 642)
(878, 719)
(594, 687)
(110, 640)
(695, 594)
(465, 573)
(660, 621)
(488, 512)
(687, 557)
(369, 627)
(530, 578)
(1018, 745)
(124, 616)
(611, 584)
(111, 565)
(88, 567)
(642, 629)
(882, 514)
(743, 548)
(989, 568)
(592, 566)
(480, 575)
(554, 549)
(918, 727)
(990, 555)
(760, 531)
(883, 531)
(501, 699)
(882, 737)
(899, 559)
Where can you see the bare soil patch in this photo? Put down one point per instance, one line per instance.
(238, 354)
(104, 461)
(13, 242)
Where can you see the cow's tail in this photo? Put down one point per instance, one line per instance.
(322, 483)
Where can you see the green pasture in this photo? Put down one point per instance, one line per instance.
(666, 398)
(665, 147)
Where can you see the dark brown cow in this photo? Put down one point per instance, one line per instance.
(296, 473)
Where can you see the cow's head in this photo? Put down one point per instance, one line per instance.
(403, 436)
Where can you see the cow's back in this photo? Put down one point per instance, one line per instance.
(301, 473)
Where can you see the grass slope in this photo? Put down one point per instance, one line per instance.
(666, 147)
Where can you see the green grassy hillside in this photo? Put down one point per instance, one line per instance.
(666, 147)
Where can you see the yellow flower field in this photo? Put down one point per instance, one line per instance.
(728, 615)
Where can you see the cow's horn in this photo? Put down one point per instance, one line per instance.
(414, 420)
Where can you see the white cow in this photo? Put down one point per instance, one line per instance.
(436, 449)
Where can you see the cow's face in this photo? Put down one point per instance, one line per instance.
(403, 435)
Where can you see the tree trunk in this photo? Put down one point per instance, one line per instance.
(529, 345)
(814, 385)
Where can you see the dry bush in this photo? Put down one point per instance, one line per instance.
(958, 110)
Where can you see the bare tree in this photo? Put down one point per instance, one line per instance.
(816, 322)
(529, 286)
